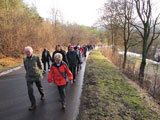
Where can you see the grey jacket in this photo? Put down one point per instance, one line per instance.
(33, 67)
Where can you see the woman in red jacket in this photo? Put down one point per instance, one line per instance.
(60, 71)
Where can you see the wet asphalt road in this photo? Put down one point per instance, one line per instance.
(14, 100)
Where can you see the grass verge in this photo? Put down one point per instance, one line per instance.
(108, 96)
(6, 63)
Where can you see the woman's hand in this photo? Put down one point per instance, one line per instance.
(50, 84)
(71, 82)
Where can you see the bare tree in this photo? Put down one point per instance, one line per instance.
(111, 22)
(124, 9)
(147, 30)
(56, 15)
(21, 25)
(118, 18)
(56, 18)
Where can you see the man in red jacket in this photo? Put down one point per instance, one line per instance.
(60, 71)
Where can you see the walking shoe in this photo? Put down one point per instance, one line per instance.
(42, 97)
(63, 106)
(74, 80)
(32, 107)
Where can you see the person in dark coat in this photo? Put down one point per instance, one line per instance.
(73, 60)
(58, 49)
(85, 50)
(34, 69)
(46, 57)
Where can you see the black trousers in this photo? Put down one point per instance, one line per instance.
(44, 65)
(62, 93)
(31, 91)
(73, 70)
(78, 67)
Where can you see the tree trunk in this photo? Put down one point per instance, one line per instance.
(112, 38)
(143, 63)
(141, 72)
(125, 58)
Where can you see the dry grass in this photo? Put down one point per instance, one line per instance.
(8, 62)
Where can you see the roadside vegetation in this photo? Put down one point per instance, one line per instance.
(107, 95)
(22, 26)
(6, 63)
(151, 80)
(131, 25)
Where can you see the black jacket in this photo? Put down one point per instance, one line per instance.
(46, 58)
(73, 58)
(63, 55)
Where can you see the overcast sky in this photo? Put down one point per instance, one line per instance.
(83, 12)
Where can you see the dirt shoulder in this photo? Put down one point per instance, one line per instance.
(107, 95)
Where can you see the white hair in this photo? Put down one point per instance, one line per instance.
(28, 48)
(58, 56)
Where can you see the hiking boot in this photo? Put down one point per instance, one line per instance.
(42, 97)
(32, 107)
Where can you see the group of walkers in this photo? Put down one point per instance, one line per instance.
(64, 68)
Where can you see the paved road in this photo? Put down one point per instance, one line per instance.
(14, 101)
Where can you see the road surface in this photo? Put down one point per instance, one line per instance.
(14, 100)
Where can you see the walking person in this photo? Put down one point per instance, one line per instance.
(60, 71)
(85, 50)
(73, 60)
(34, 69)
(80, 57)
(59, 49)
(82, 51)
(46, 57)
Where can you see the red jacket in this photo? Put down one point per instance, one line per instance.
(58, 78)
(82, 51)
